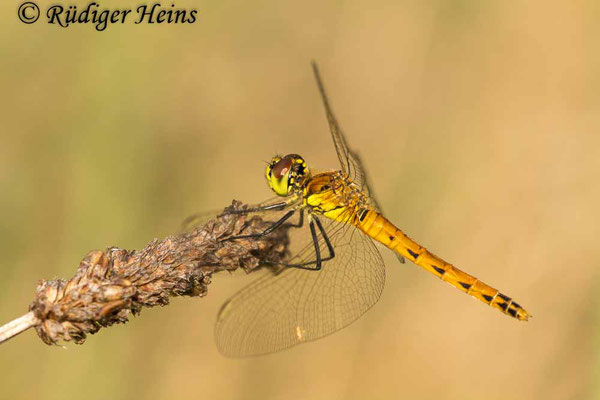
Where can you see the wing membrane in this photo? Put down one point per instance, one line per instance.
(201, 218)
(284, 308)
(287, 306)
(350, 162)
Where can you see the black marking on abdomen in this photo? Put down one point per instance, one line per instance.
(413, 254)
(488, 297)
(440, 271)
(362, 215)
(512, 312)
(504, 297)
(465, 285)
(503, 306)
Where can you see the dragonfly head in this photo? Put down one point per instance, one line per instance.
(286, 175)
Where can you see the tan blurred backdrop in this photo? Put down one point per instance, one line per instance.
(478, 122)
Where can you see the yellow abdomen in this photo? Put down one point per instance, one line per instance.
(379, 228)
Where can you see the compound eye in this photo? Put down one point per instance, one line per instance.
(282, 167)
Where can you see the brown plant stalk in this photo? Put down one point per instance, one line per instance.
(111, 285)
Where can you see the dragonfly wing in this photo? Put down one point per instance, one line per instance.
(292, 306)
(197, 220)
(367, 188)
(349, 160)
(339, 140)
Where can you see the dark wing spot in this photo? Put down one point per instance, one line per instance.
(440, 271)
(512, 312)
(487, 297)
(465, 285)
(412, 253)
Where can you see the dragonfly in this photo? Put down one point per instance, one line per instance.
(334, 272)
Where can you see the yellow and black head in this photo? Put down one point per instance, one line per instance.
(286, 175)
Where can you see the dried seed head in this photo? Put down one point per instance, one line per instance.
(109, 286)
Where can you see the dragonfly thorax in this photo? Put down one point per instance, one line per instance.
(286, 175)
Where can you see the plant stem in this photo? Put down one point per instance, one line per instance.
(18, 325)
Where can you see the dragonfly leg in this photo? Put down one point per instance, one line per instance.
(326, 238)
(269, 229)
(268, 207)
(318, 261)
(313, 232)
(300, 222)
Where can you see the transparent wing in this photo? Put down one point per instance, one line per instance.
(197, 220)
(372, 197)
(291, 306)
(350, 162)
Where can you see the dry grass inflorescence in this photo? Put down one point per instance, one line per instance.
(111, 285)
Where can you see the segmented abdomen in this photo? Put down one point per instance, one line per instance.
(379, 228)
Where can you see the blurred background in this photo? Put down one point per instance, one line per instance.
(478, 123)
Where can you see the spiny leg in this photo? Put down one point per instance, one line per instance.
(277, 224)
(270, 229)
(191, 221)
(313, 232)
(318, 261)
(268, 207)
(326, 238)
(300, 222)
